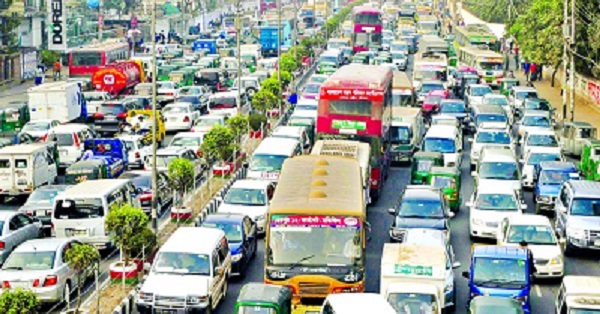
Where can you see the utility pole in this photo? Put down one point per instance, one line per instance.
(572, 61)
(510, 7)
(279, 38)
(567, 40)
(100, 20)
(238, 28)
(154, 122)
(327, 17)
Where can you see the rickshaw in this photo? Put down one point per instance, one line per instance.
(360, 58)
(216, 59)
(590, 160)
(452, 61)
(447, 179)
(573, 136)
(506, 84)
(326, 67)
(164, 71)
(182, 77)
(160, 126)
(15, 116)
(84, 170)
(264, 298)
(421, 165)
(249, 59)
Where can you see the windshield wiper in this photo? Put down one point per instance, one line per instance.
(414, 216)
(304, 259)
(13, 268)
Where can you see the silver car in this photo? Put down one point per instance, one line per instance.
(39, 265)
(16, 228)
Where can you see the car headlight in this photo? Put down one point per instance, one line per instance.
(260, 217)
(237, 257)
(556, 261)
(145, 296)
(576, 233)
(193, 299)
(477, 221)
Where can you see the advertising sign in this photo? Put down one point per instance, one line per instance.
(594, 91)
(351, 94)
(57, 19)
(314, 221)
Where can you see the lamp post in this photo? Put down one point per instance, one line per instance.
(154, 121)
(279, 38)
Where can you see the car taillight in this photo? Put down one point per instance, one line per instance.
(122, 115)
(29, 214)
(45, 137)
(186, 119)
(76, 139)
(98, 116)
(2, 245)
(137, 155)
(146, 197)
(6, 285)
(50, 281)
(36, 282)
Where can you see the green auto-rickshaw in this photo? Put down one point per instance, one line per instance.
(165, 70)
(421, 165)
(182, 77)
(216, 59)
(327, 67)
(506, 84)
(447, 179)
(590, 160)
(15, 116)
(360, 58)
(84, 170)
(264, 298)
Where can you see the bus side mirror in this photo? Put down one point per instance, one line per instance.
(466, 274)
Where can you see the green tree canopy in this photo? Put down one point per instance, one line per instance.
(124, 222)
(83, 259)
(219, 142)
(264, 100)
(18, 301)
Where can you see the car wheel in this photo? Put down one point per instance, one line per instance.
(67, 294)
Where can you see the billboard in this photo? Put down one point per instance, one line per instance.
(57, 20)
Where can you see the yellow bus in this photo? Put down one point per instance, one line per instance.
(489, 64)
(475, 35)
(316, 240)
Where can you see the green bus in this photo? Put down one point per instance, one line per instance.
(475, 35)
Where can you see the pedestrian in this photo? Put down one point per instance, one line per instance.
(39, 76)
(533, 72)
(57, 70)
(540, 70)
(510, 46)
(293, 98)
(517, 58)
(526, 66)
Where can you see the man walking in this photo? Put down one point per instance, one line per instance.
(526, 67)
(57, 70)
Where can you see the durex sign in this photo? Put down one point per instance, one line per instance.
(57, 20)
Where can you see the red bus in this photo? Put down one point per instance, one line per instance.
(267, 4)
(367, 28)
(85, 61)
(355, 103)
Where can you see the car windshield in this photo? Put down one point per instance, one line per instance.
(241, 196)
(534, 235)
(536, 121)
(412, 303)
(490, 65)
(111, 109)
(140, 181)
(584, 311)
(165, 85)
(36, 126)
(182, 263)
(493, 138)
(400, 134)
(453, 107)
(42, 196)
(524, 95)
(423, 164)
(328, 59)
(586, 207)
(233, 230)
(36, 260)
(82, 208)
(176, 109)
(186, 141)
(504, 202)
(546, 140)
(208, 122)
(267, 162)
(163, 161)
(190, 91)
(397, 55)
(554, 177)
(498, 171)
(499, 273)
(536, 158)
(256, 309)
(63, 139)
(421, 208)
(440, 145)
(480, 91)
(311, 89)
(537, 105)
(497, 101)
(426, 88)
(480, 118)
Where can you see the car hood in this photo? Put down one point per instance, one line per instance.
(176, 284)
(548, 189)
(456, 115)
(475, 100)
(252, 211)
(434, 223)
(514, 184)
(492, 215)
(586, 222)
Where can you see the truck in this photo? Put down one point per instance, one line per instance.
(351, 149)
(268, 40)
(119, 77)
(413, 275)
(62, 101)
(578, 294)
(110, 150)
(406, 132)
(209, 45)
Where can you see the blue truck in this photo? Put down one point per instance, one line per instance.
(268, 37)
(501, 271)
(549, 177)
(210, 45)
(112, 152)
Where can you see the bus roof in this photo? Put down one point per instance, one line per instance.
(101, 47)
(359, 76)
(315, 184)
(475, 30)
(365, 10)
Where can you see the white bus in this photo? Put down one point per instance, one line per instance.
(489, 64)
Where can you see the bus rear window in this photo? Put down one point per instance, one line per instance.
(79, 209)
(350, 107)
(4, 163)
(86, 58)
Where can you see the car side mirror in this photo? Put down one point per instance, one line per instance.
(523, 206)
(466, 274)
(392, 211)
(456, 265)
(563, 210)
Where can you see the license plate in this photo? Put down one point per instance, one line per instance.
(597, 243)
(19, 284)
(13, 192)
(270, 175)
(63, 152)
(75, 233)
(166, 311)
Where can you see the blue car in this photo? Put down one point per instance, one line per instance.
(240, 232)
(549, 177)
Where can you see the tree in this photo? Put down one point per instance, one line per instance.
(181, 176)
(264, 100)
(288, 63)
(19, 301)
(218, 142)
(8, 35)
(238, 125)
(82, 258)
(271, 85)
(286, 77)
(124, 222)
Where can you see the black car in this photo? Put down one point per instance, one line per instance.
(240, 232)
(420, 206)
(212, 78)
(112, 114)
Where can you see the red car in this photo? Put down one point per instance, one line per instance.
(433, 99)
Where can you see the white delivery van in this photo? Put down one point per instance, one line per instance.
(60, 101)
(189, 273)
(269, 156)
(406, 132)
(354, 303)
(81, 210)
(25, 167)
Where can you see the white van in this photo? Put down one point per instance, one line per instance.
(269, 156)
(195, 287)
(81, 210)
(23, 168)
(445, 139)
(294, 132)
(352, 303)
(70, 139)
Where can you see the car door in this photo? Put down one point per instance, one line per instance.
(561, 206)
(16, 234)
(31, 228)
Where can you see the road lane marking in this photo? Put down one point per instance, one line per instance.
(538, 291)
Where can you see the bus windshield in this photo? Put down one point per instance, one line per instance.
(315, 241)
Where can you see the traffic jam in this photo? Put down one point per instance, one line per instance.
(412, 174)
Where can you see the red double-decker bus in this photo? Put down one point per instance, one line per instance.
(367, 28)
(355, 103)
(85, 61)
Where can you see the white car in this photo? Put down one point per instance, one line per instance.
(167, 88)
(164, 156)
(204, 123)
(537, 232)
(310, 105)
(249, 197)
(39, 128)
(191, 140)
(318, 78)
(179, 116)
(475, 92)
(136, 150)
(541, 138)
(534, 120)
(250, 85)
(533, 157)
(484, 137)
(488, 206)
(400, 59)
(498, 167)
(518, 94)
(499, 100)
